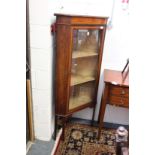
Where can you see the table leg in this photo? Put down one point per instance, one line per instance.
(102, 108)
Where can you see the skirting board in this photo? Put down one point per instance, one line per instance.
(28, 146)
(57, 141)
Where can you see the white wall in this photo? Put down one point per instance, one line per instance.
(114, 57)
(41, 62)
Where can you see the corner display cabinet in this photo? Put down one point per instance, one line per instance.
(79, 48)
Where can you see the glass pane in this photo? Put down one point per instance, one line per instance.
(84, 67)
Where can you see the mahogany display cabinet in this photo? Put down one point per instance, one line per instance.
(79, 48)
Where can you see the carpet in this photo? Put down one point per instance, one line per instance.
(82, 140)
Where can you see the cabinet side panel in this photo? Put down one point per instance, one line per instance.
(62, 61)
(63, 20)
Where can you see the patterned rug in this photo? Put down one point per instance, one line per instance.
(82, 140)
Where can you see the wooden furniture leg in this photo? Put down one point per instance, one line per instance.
(99, 113)
(102, 108)
(93, 116)
(55, 128)
(63, 128)
(65, 120)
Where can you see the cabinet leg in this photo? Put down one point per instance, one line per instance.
(99, 115)
(55, 128)
(93, 116)
(63, 129)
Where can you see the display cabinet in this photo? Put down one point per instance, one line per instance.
(79, 48)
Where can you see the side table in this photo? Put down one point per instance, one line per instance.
(116, 92)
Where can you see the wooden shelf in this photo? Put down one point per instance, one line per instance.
(78, 79)
(79, 101)
(81, 54)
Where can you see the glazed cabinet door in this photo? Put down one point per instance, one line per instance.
(85, 57)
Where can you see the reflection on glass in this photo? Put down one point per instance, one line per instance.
(84, 67)
(85, 43)
(81, 95)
